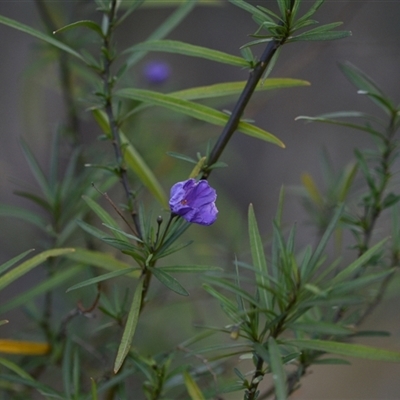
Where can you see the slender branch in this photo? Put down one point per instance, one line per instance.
(234, 119)
(73, 125)
(108, 83)
(372, 212)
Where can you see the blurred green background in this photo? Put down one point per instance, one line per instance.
(31, 107)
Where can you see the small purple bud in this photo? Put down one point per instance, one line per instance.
(156, 71)
(194, 201)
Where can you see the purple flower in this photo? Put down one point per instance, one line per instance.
(156, 71)
(194, 201)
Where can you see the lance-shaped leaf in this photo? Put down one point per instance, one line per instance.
(33, 32)
(259, 261)
(169, 281)
(347, 349)
(192, 387)
(233, 88)
(278, 372)
(102, 278)
(177, 47)
(100, 259)
(165, 28)
(130, 327)
(82, 24)
(28, 265)
(197, 111)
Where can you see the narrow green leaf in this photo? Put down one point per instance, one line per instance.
(142, 170)
(320, 36)
(94, 389)
(347, 349)
(356, 264)
(234, 88)
(51, 283)
(102, 278)
(259, 261)
(315, 258)
(189, 268)
(192, 387)
(278, 372)
(8, 264)
(26, 215)
(165, 28)
(37, 171)
(82, 24)
(105, 217)
(359, 79)
(39, 35)
(177, 47)
(321, 328)
(356, 284)
(28, 265)
(99, 259)
(130, 327)
(182, 157)
(197, 111)
(169, 281)
(251, 9)
(45, 390)
(15, 368)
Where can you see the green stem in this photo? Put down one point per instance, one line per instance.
(108, 83)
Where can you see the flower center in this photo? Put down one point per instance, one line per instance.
(184, 202)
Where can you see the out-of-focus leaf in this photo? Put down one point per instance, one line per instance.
(356, 264)
(134, 160)
(26, 348)
(33, 32)
(49, 284)
(37, 172)
(45, 390)
(356, 284)
(347, 349)
(102, 278)
(312, 264)
(99, 259)
(321, 328)
(28, 265)
(312, 189)
(189, 268)
(192, 387)
(174, 46)
(258, 258)
(169, 281)
(8, 264)
(130, 327)
(197, 111)
(26, 215)
(278, 372)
